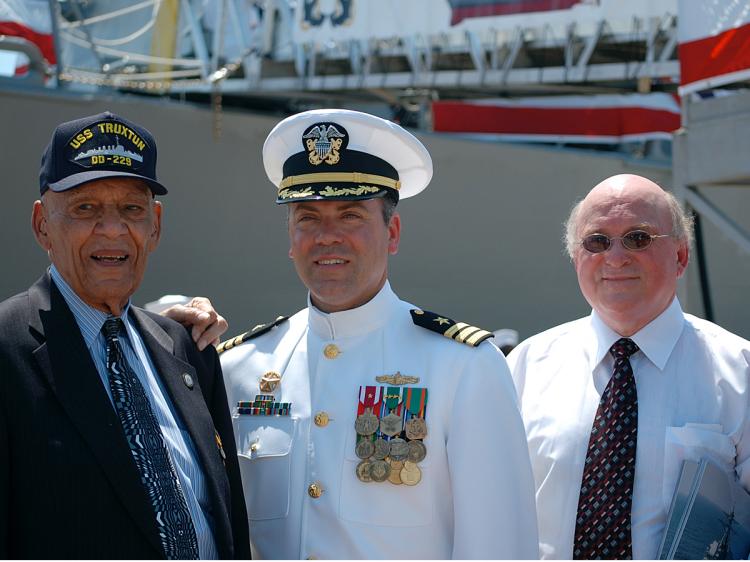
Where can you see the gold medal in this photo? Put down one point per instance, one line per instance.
(391, 424)
(382, 448)
(416, 428)
(363, 471)
(395, 476)
(366, 424)
(411, 475)
(417, 451)
(365, 448)
(399, 449)
(379, 471)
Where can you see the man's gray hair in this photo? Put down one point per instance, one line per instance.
(682, 224)
(389, 207)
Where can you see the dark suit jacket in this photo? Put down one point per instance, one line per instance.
(68, 485)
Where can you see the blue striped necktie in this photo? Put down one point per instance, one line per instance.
(603, 526)
(150, 454)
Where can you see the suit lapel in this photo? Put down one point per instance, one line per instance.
(190, 406)
(66, 362)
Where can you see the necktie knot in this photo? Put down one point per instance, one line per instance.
(112, 327)
(623, 348)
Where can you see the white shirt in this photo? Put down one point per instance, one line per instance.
(475, 499)
(692, 382)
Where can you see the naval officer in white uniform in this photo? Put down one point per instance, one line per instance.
(365, 426)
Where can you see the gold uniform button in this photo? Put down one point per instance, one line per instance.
(315, 490)
(321, 419)
(331, 351)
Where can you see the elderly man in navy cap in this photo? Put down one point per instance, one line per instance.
(367, 427)
(113, 424)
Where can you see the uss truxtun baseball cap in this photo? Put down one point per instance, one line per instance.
(96, 147)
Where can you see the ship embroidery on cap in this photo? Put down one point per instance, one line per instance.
(107, 144)
(113, 150)
(323, 142)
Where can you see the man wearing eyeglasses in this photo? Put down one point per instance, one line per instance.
(613, 403)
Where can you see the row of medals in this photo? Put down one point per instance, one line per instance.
(394, 460)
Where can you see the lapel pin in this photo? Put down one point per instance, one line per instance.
(188, 380)
(220, 445)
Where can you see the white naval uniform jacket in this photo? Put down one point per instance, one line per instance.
(476, 496)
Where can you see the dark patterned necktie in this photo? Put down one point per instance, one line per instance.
(150, 454)
(603, 519)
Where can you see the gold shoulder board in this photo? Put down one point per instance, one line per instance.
(459, 331)
(260, 329)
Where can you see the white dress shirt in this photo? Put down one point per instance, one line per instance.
(475, 499)
(692, 382)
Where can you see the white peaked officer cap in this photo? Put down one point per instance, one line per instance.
(337, 154)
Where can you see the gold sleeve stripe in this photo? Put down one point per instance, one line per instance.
(351, 177)
(458, 326)
(230, 343)
(466, 332)
(242, 338)
(478, 337)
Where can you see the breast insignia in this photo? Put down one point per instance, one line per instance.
(258, 330)
(459, 331)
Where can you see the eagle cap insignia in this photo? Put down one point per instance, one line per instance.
(324, 143)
